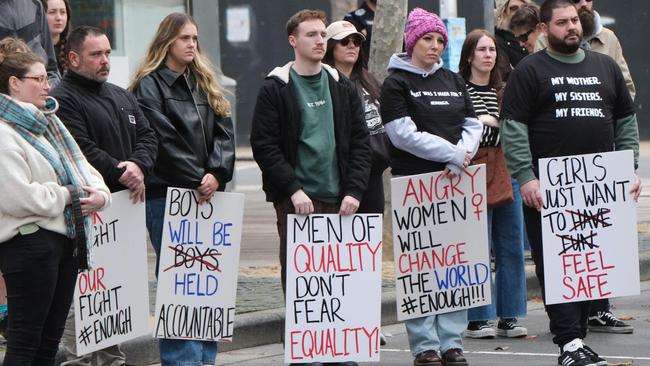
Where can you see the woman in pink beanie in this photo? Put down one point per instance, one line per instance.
(429, 118)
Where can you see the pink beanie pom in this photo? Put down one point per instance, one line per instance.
(419, 23)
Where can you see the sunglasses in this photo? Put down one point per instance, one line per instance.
(578, 1)
(524, 37)
(345, 41)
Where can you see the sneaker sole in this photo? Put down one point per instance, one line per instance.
(480, 334)
(615, 330)
(516, 333)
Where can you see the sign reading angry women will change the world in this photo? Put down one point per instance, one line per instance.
(589, 227)
(440, 242)
(199, 264)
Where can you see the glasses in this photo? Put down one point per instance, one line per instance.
(345, 41)
(578, 1)
(524, 37)
(40, 79)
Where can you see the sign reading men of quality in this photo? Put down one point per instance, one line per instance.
(199, 264)
(333, 304)
(440, 242)
(111, 301)
(589, 227)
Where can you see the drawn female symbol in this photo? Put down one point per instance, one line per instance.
(477, 200)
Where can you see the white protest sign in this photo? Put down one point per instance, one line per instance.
(111, 301)
(333, 303)
(589, 227)
(199, 264)
(440, 242)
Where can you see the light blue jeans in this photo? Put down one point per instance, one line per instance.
(175, 352)
(439, 332)
(506, 239)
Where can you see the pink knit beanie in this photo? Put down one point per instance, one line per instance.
(419, 23)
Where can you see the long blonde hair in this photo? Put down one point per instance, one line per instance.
(201, 66)
(502, 20)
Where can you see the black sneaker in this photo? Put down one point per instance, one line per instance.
(480, 329)
(575, 358)
(511, 329)
(593, 356)
(606, 322)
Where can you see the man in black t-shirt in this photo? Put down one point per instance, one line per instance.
(564, 101)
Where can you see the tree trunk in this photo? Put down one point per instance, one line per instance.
(387, 35)
(340, 8)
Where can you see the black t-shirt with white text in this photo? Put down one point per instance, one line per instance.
(569, 108)
(437, 104)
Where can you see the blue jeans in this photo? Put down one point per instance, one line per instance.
(439, 332)
(175, 352)
(506, 239)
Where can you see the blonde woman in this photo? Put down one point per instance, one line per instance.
(508, 45)
(177, 89)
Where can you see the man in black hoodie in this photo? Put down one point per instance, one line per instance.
(113, 134)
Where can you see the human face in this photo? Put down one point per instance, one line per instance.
(587, 4)
(57, 16)
(512, 7)
(346, 50)
(308, 41)
(485, 56)
(183, 50)
(526, 38)
(93, 60)
(564, 32)
(32, 87)
(427, 50)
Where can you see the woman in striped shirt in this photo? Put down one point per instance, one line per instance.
(505, 222)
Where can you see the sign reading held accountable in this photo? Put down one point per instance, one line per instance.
(199, 264)
(333, 303)
(111, 301)
(440, 242)
(589, 227)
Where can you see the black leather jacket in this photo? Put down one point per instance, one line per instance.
(192, 140)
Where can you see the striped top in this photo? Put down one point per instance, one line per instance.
(484, 99)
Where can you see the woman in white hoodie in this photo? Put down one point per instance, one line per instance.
(430, 120)
(49, 192)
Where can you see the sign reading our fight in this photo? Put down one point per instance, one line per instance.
(333, 288)
(111, 301)
(199, 264)
(440, 242)
(589, 227)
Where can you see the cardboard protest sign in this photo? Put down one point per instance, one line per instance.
(199, 264)
(589, 227)
(333, 291)
(440, 242)
(111, 301)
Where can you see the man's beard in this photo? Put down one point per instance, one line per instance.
(561, 46)
(588, 21)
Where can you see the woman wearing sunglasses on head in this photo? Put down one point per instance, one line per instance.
(48, 193)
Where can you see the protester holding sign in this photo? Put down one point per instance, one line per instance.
(178, 91)
(429, 118)
(478, 59)
(558, 102)
(49, 190)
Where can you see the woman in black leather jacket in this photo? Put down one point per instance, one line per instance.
(177, 89)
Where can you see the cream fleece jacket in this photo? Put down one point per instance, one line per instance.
(30, 193)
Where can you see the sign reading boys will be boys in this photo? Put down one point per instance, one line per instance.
(440, 242)
(589, 227)
(111, 301)
(333, 304)
(199, 264)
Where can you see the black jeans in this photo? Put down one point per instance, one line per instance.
(569, 320)
(40, 276)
